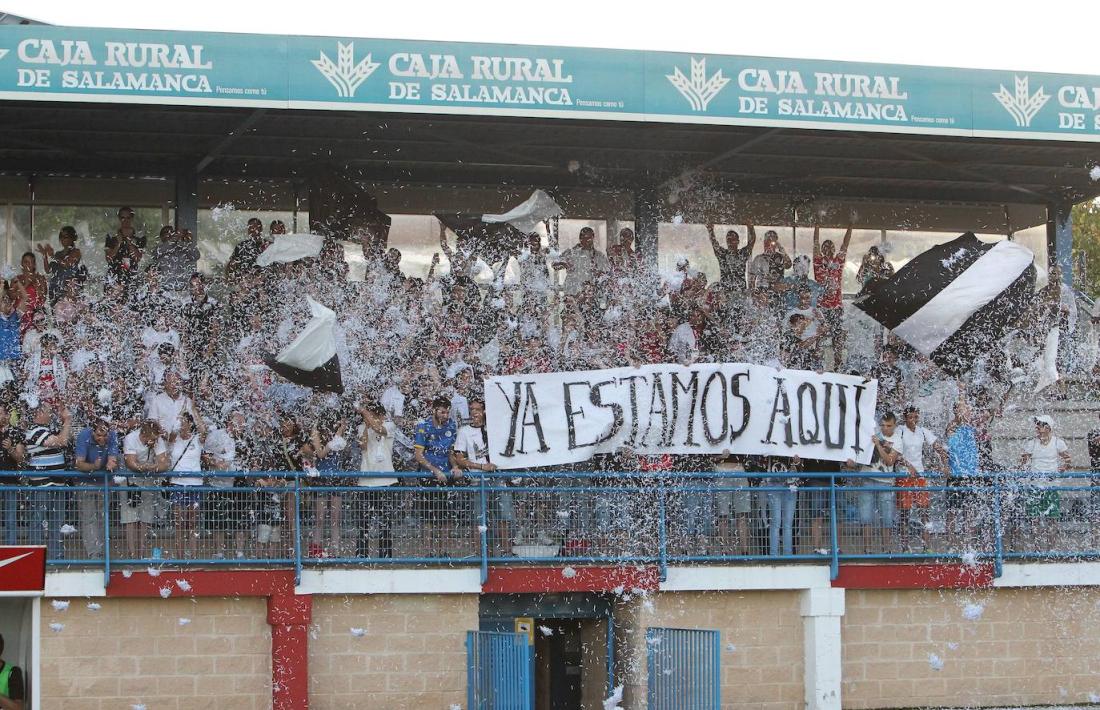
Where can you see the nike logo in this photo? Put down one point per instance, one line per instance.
(4, 563)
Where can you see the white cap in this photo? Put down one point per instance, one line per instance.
(1044, 419)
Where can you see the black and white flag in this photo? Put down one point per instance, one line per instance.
(955, 301)
(310, 359)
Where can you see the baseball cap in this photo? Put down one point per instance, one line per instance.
(1044, 419)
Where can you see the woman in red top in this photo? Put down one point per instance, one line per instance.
(30, 290)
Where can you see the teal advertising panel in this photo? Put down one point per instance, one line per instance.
(41, 63)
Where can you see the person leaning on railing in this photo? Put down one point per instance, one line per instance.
(143, 451)
(43, 451)
(96, 454)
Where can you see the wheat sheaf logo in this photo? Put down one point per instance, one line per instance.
(344, 73)
(1022, 105)
(699, 89)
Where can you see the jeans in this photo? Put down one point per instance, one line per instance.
(781, 515)
(45, 508)
(90, 507)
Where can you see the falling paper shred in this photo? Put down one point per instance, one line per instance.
(1094, 697)
(1095, 175)
(952, 646)
(612, 703)
(94, 606)
(935, 662)
(546, 631)
(969, 558)
(184, 621)
(568, 572)
(153, 572)
(138, 706)
(56, 627)
(184, 585)
(165, 592)
(358, 632)
(973, 612)
(482, 529)
(127, 573)
(731, 648)
(60, 605)
(67, 529)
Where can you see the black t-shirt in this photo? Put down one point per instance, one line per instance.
(732, 264)
(246, 252)
(16, 691)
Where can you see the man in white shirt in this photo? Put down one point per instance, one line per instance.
(1048, 456)
(143, 451)
(583, 262)
(225, 510)
(915, 504)
(167, 406)
(378, 501)
(471, 453)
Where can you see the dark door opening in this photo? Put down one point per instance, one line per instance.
(570, 664)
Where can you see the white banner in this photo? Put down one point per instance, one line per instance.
(567, 417)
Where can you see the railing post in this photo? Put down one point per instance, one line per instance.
(662, 537)
(297, 530)
(106, 530)
(483, 529)
(998, 529)
(834, 541)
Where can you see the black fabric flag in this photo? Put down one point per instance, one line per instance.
(955, 301)
(310, 359)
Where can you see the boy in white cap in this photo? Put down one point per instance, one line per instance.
(1047, 455)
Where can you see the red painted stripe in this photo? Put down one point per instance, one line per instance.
(516, 580)
(902, 576)
(201, 583)
(289, 616)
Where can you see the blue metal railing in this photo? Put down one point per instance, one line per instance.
(284, 519)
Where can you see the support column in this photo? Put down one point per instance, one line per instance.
(647, 212)
(187, 201)
(289, 616)
(1060, 239)
(822, 609)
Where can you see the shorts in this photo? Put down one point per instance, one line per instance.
(815, 501)
(225, 510)
(136, 506)
(908, 499)
(267, 533)
(1043, 503)
(877, 507)
(832, 321)
(182, 497)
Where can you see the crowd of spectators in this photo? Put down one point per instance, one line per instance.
(159, 370)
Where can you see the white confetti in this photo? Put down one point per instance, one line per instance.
(970, 558)
(153, 572)
(455, 706)
(184, 621)
(94, 606)
(1095, 175)
(677, 219)
(973, 612)
(563, 514)
(612, 702)
(731, 648)
(184, 585)
(138, 706)
(165, 592)
(568, 572)
(546, 631)
(952, 646)
(574, 166)
(67, 529)
(59, 604)
(119, 480)
(357, 632)
(935, 662)
(127, 573)
(56, 627)
(482, 529)
(1094, 697)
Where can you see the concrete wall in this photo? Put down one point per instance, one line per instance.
(134, 651)
(412, 656)
(1029, 647)
(764, 669)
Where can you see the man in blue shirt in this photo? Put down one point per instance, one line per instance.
(433, 440)
(96, 454)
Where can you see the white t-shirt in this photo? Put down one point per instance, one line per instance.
(895, 443)
(460, 408)
(1044, 457)
(913, 443)
(683, 344)
(219, 444)
(186, 456)
(167, 411)
(470, 443)
(377, 455)
(133, 446)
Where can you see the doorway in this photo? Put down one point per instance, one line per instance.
(19, 627)
(570, 664)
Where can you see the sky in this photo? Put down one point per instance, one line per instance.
(1052, 35)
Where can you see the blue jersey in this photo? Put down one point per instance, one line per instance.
(10, 348)
(962, 451)
(436, 441)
